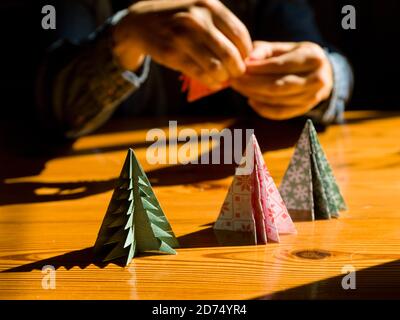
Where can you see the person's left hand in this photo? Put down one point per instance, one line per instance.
(285, 80)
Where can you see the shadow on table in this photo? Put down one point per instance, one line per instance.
(79, 258)
(271, 135)
(208, 238)
(377, 282)
(34, 192)
(85, 257)
(24, 155)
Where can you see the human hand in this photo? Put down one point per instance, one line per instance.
(200, 38)
(285, 80)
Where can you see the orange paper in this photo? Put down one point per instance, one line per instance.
(196, 90)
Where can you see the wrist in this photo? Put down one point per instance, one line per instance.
(126, 46)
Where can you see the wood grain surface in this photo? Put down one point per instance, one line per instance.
(52, 205)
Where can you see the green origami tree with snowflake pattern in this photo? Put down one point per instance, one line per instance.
(309, 188)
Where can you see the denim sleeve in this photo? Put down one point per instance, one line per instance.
(294, 20)
(332, 110)
(80, 84)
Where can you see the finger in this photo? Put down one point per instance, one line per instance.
(305, 98)
(204, 57)
(275, 85)
(190, 68)
(299, 60)
(216, 42)
(182, 62)
(279, 48)
(231, 27)
(278, 112)
(262, 50)
(225, 50)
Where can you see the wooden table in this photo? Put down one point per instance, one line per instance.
(52, 206)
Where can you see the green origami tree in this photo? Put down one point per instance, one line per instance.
(134, 221)
(309, 188)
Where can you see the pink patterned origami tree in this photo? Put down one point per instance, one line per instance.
(253, 203)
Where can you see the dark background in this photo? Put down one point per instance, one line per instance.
(372, 48)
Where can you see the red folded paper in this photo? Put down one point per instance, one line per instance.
(195, 89)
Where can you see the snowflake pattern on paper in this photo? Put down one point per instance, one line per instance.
(296, 187)
(243, 183)
(309, 184)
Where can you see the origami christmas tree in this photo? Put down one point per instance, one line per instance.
(309, 188)
(134, 221)
(196, 90)
(253, 203)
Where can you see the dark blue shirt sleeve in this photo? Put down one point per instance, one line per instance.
(80, 84)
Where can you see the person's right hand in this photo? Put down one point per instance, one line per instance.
(200, 38)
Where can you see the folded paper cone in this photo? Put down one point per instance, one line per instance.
(309, 188)
(134, 221)
(253, 203)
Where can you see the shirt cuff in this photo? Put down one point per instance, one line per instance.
(139, 77)
(332, 109)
